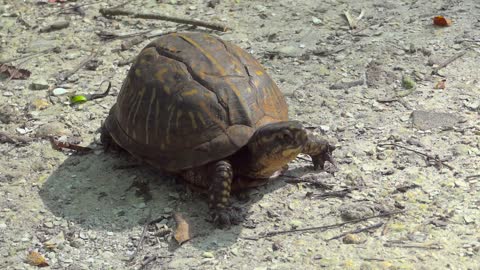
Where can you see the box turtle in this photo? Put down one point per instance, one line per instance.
(202, 107)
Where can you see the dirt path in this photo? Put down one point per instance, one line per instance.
(402, 144)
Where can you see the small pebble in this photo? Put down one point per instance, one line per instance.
(7, 94)
(316, 20)
(352, 239)
(39, 84)
(295, 223)
(59, 91)
(48, 224)
(208, 254)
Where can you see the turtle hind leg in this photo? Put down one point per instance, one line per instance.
(320, 150)
(107, 141)
(221, 177)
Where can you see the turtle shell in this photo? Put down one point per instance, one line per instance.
(190, 99)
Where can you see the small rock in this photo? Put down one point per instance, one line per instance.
(316, 21)
(435, 60)
(59, 91)
(324, 128)
(461, 183)
(208, 254)
(340, 57)
(39, 44)
(473, 105)
(39, 84)
(7, 94)
(350, 211)
(76, 243)
(296, 223)
(48, 224)
(289, 51)
(352, 239)
(55, 241)
(52, 129)
(9, 114)
(429, 119)
(469, 219)
(407, 82)
(83, 236)
(461, 150)
(23, 130)
(276, 246)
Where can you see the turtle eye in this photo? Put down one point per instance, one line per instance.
(286, 135)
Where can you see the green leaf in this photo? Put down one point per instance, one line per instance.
(78, 99)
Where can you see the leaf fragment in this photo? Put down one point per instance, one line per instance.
(36, 259)
(182, 232)
(441, 21)
(14, 73)
(440, 84)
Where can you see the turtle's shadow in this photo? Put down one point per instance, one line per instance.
(98, 192)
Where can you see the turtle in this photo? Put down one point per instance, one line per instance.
(206, 110)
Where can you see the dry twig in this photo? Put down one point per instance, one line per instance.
(473, 176)
(14, 139)
(324, 228)
(142, 237)
(403, 244)
(368, 228)
(313, 182)
(59, 145)
(121, 12)
(10, 60)
(65, 75)
(351, 22)
(447, 62)
(435, 158)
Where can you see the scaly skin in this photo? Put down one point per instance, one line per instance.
(269, 150)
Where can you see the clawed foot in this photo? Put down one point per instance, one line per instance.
(226, 217)
(319, 160)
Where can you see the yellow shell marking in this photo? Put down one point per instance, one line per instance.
(166, 89)
(160, 73)
(199, 115)
(177, 122)
(138, 72)
(192, 118)
(147, 122)
(190, 93)
(140, 94)
(259, 72)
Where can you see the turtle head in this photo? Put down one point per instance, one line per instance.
(274, 145)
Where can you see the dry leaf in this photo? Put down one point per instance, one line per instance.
(440, 84)
(182, 232)
(40, 104)
(13, 72)
(441, 21)
(36, 259)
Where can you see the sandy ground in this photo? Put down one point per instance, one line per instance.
(361, 88)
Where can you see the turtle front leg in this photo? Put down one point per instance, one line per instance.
(221, 177)
(320, 150)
